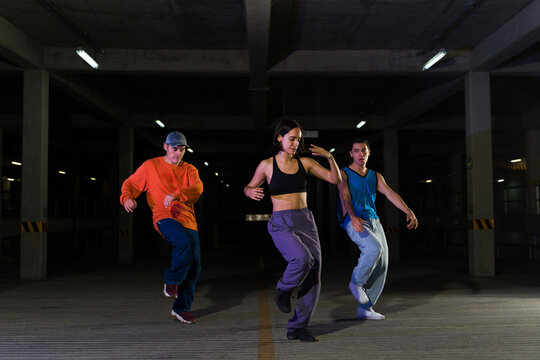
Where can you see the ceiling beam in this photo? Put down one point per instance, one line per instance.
(367, 62)
(92, 99)
(528, 66)
(18, 48)
(242, 62)
(422, 102)
(102, 105)
(233, 123)
(517, 34)
(194, 122)
(258, 34)
(440, 124)
(152, 60)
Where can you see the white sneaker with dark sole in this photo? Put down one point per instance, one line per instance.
(359, 293)
(364, 314)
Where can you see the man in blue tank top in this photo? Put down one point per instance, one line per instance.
(358, 216)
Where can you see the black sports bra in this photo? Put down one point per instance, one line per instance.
(282, 183)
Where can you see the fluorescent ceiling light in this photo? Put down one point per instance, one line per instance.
(332, 150)
(10, 179)
(93, 179)
(62, 172)
(500, 180)
(16, 163)
(190, 150)
(428, 181)
(360, 124)
(205, 163)
(89, 60)
(435, 59)
(160, 123)
(515, 160)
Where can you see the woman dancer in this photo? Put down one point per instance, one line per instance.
(291, 226)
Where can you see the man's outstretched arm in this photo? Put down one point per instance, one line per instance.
(394, 198)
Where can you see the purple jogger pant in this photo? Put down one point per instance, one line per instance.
(295, 235)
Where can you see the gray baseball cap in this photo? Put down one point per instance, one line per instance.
(176, 138)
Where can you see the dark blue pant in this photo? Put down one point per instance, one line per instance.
(185, 261)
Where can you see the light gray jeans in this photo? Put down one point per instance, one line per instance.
(373, 261)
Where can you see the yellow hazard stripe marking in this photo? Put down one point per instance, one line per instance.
(33, 226)
(123, 233)
(481, 224)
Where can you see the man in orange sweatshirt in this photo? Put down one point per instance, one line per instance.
(172, 188)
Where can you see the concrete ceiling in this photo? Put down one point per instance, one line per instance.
(228, 69)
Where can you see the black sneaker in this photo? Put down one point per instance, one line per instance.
(283, 300)
(303, 334)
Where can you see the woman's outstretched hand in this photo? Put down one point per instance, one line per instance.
(319, 151)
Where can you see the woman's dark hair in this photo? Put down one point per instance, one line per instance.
(283, 127)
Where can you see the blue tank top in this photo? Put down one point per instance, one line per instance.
(283, 183)
(363, 191)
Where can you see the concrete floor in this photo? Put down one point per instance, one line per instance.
(119, 312)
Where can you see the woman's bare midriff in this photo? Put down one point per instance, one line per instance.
(291, 201)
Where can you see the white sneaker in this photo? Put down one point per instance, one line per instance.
(359, 293)
(368, 314)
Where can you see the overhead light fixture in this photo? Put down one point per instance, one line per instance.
(500, 180)
(160, 123)
(62, 172)
(206, 163)
(190, 150)
(428, 181)
(435, 59)
(93, 179)
(227, 185)
(216, 173)
(360, 124)
(516, 160)
(332, 150)
(16, 163)
(10, 179)
(89, 60)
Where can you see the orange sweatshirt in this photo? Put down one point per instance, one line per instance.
(158, 179)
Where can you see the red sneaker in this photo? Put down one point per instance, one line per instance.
(184, 317)
(170, 290)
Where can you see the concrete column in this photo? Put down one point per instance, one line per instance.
(456, 170)
(1, 189)
(125, 220)
(533, 180)
(34, 175)
(391, 175)
(479, 174)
